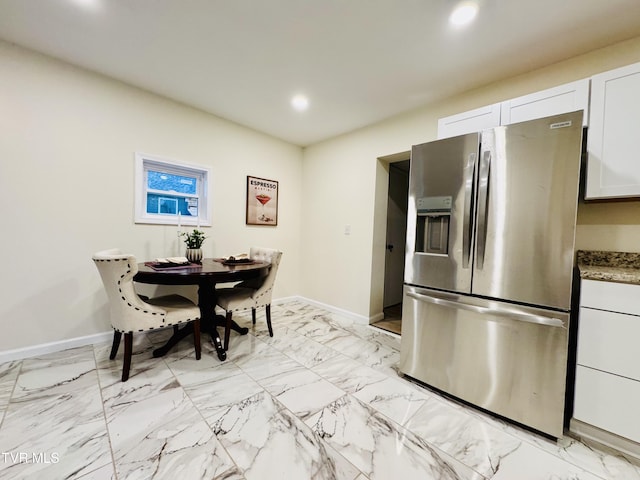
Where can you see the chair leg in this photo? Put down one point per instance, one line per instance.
(196, 338)
(253, 315)
(128, 347)
(268, 311)
(116, 343)
(227, 331)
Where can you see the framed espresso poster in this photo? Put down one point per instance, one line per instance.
(262, 201)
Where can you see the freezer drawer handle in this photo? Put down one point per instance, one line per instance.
(512, 314)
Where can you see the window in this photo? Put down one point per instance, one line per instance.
(171, 193)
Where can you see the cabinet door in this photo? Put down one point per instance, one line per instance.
(613, 167)
(608, 402)
(553, 101)
(469, 122)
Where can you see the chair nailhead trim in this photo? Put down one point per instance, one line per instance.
(188, 320)
(124, 299)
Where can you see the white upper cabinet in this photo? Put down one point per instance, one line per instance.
(611, 105)
(563, 99)
(613, 166)
(469, 122)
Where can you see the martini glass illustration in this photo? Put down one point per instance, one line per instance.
(263, 199)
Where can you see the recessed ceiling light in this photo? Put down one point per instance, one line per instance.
(300, 102)
(88, 4)
(463, 14)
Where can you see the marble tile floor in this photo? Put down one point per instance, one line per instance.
(322, 399)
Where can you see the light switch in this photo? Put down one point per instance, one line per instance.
(347, 229)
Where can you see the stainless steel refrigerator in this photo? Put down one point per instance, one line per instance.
(489, 267)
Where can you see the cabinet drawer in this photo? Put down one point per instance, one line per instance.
(608, 402)
(609, 341)
(614, 297)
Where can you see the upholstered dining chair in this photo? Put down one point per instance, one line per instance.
(131, 313)
(250, 293)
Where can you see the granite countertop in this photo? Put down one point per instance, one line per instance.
(621, 267)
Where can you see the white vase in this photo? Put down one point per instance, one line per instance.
(194, 255)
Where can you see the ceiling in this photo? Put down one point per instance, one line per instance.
(358, 61)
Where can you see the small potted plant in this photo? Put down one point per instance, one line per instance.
(194, 242)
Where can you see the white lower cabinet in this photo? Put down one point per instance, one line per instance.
(608, 341)
(607, 401)
(607, 388)
(610, 296)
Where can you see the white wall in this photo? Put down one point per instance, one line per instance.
(66, 190)
(349, 179)
(348, 185)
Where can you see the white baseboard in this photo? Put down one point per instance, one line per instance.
(280, 301)
(344, 313)
(44, 348)
(52, 347)
(330, 308)
(606, 440)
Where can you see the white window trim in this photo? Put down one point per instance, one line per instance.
(142, 161)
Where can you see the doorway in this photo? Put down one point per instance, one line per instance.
(395, 246)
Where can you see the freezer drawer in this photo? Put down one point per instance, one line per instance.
(507, 359)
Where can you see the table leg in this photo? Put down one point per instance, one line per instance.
(208, 323)
(221, 321)
(175, 338)
(185, 332)
(207, 304)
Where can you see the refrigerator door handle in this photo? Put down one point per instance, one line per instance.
(511, 313)
(469, 176)
(483, 203)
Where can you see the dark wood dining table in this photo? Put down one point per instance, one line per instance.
(205, 275)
